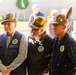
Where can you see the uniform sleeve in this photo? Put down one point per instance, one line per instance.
(1, 65)
(22, 54)
(72, 53)
(31, 18)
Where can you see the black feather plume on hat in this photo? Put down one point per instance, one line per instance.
(69, 13)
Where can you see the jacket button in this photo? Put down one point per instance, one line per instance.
(57, 64)
(65, 65)
(8, 61)
(5, 52)
(53, 69)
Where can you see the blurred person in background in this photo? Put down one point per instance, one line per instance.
(49, 29)
(35, 12)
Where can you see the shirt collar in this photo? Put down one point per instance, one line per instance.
(11, 35)
(60, 39)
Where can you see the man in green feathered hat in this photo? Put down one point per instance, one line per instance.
(39, 49)
(63, 60)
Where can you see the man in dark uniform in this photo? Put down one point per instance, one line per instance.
(13, 50)
(63, 60)
(39, 49)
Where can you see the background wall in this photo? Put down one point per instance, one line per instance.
(9, 6)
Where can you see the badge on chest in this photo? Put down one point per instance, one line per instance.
(40, 48)
(62, 48)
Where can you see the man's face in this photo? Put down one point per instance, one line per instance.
(35, 10)
(9, 27)
(36, 32)
(58, 29)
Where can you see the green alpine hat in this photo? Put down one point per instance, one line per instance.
(38, 23)
(9, 18)
(60, 19)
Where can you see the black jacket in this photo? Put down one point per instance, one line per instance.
(39, 53)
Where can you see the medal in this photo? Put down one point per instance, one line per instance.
(62, 48)
(40, 48)
(15, 41)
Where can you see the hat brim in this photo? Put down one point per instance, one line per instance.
(35, 27)
(54, 23)
(7, 21)
(59, 23)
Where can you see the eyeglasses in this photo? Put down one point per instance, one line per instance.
(56, 25)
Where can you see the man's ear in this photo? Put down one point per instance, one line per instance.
(42, 30)
(65, 26)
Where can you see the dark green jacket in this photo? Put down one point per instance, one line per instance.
(61, 62)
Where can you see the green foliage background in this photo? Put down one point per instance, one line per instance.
(18, 4)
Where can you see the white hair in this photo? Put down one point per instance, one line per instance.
(64, 11)
(35, 6)
(54, 11)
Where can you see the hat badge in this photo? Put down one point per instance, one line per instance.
(61, 19)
